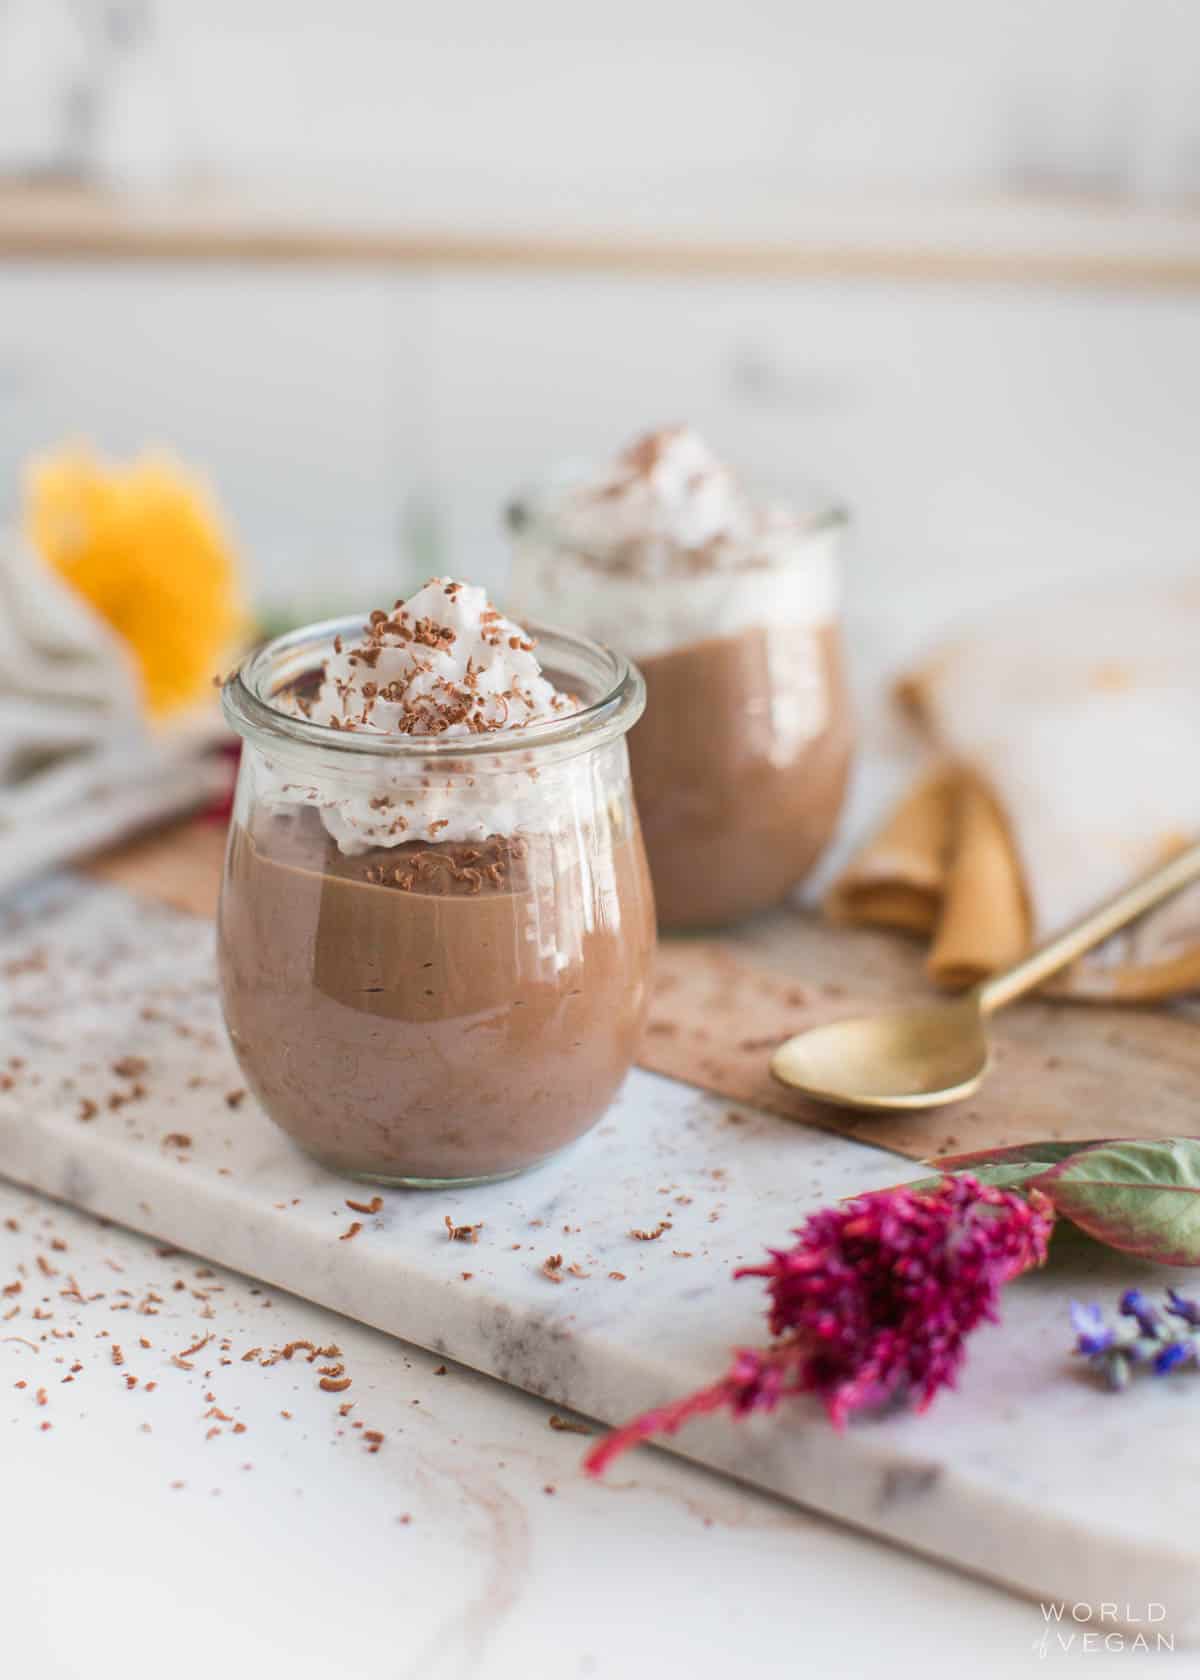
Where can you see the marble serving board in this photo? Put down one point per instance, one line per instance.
(120, 1095)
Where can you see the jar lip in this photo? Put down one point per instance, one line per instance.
(253, 715)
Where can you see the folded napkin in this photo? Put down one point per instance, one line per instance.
(79, 765)
(1060, 743)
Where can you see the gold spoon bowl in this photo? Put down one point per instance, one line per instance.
(938, 1053)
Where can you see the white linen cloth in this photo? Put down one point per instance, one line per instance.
(80, 765)
(1079, 712)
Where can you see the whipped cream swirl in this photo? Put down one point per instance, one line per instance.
(444, 663)
(667, 511)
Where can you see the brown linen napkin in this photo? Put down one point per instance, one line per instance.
(1065, 739)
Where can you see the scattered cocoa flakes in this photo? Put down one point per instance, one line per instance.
(13, 1288)
(88, 1110)
(234, 1099)
(130, 1380)
(334, 1385)
(375, 1205)
(118, 1358)
(567, 1426)
(58, 1245)
(11, 1225)
(142, 1342)
(352, 1230)
(40, 1396)
(289, 1349)
(196, 1346)
(374, 1439)
(250, 1353)
(216, 1412)
(618, 1277)
(578, 1271)
(44, 1266)
(466, 1276)
(652, 1236)
(439, 1370)
(215, 1430)
(239, 1429)
(130, 1067)
(346, 1407)
(552, 1267)
(330, 1370)
(462, 1233)
(177, 1140)
(682, 1253)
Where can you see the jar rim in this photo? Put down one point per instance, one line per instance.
(250, 712)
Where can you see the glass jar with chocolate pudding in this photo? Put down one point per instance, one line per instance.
(436, 923)
(730, 606)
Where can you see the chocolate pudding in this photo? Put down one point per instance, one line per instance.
(729, 605)
(739, 770)
(438, 1012)
(434, 953)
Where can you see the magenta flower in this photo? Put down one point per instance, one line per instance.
(874, 1302)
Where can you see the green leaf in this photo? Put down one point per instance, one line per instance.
(1048, 1152)
(1142, 1197)
(1004, 1175)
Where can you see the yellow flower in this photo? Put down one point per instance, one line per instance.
(145, 545)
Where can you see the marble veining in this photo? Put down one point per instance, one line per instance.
(1029, 1474)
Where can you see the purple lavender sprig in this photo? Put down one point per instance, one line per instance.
(1160, 1339)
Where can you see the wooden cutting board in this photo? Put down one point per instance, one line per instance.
(1062, 1070)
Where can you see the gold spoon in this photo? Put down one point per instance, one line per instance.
(938, 1053)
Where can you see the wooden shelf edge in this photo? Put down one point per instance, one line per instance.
(284, 247)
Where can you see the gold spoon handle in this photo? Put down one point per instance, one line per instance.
(1089, 930)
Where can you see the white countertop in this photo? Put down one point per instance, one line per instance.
(467, 1545)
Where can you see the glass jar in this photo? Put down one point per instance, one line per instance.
(445, 1013)
(741, 761)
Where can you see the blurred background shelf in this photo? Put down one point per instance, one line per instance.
(370, 267)
(652, 228)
